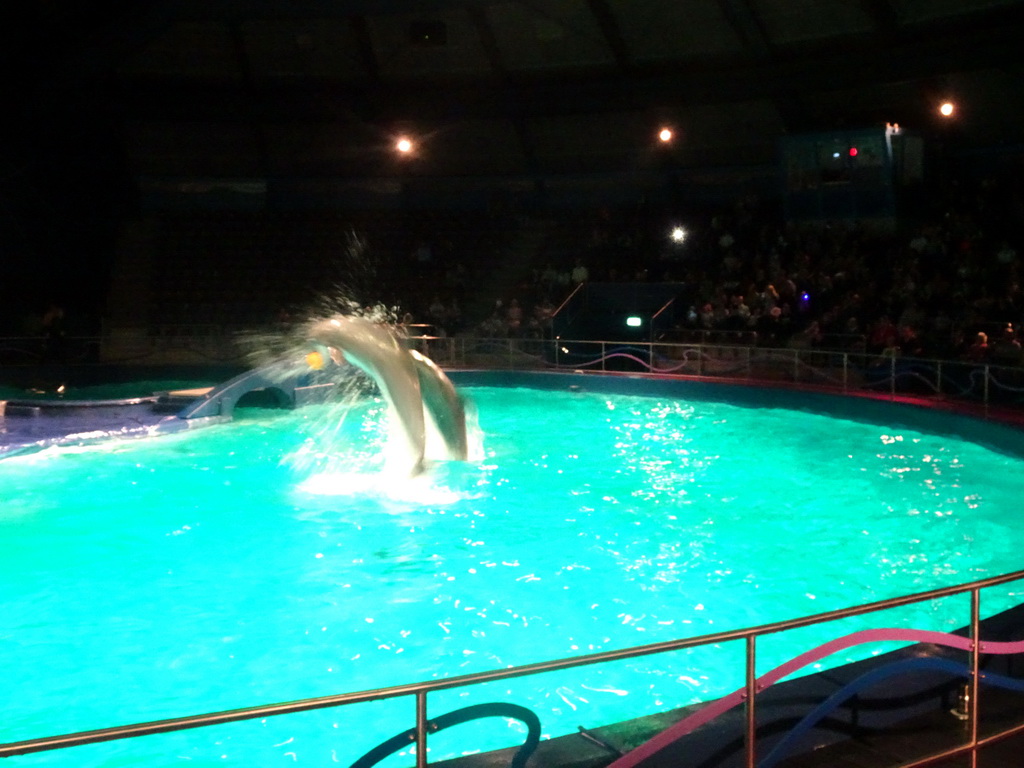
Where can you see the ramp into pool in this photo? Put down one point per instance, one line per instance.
(282, 384)
(35, 421)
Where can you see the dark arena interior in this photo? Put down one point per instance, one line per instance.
(207, 163)
(825, 177)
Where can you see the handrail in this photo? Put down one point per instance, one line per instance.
(756, 684)
(577, 289)
(951, 380)
(980, 379)
(850, 690)
(664, 306)
(655, 316)
(420, 689)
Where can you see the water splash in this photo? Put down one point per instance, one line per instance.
(423, 490)
(351, 274)
(350, 283)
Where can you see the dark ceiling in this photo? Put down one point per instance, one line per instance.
(311, 88)
(112, 103)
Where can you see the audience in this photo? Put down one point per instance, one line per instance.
(947, 284)
(915, 291)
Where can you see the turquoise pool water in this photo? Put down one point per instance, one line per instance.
(268, 560)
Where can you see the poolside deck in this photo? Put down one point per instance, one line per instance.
(910, 741)
(898, 720)
(928, 735)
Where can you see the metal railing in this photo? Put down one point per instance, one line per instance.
(839, 370)
(419, 691)
(982, 384)
(716, 355)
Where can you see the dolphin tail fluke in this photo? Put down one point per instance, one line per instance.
(445, 406)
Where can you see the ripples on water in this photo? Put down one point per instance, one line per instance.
(270, 560)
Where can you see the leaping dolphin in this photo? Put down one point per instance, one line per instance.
(412, 384)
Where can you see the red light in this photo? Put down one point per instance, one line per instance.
(853, 151)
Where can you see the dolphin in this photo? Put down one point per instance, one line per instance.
(411, 384)
(444, 405)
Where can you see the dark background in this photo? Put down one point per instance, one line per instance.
(113, 109)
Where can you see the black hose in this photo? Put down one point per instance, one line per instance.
(457, 717)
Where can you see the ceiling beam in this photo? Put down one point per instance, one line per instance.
(256, 126)
(489, 41)
(714, 81)
(883, 15)
(748, 26)
(364, 43)
(612, 33)
(304, 10)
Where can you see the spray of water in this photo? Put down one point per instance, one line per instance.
(352, 283)
(348, 444)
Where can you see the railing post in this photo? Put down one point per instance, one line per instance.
(751, 709)
(650, 361)
(973, 708)
(938, 378)
(846, 371)
(556, 352)
(421, 729)
(796, 366)
(892, 375)
(603, 353)
(985, 396)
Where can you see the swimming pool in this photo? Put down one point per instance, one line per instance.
(268, 560)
